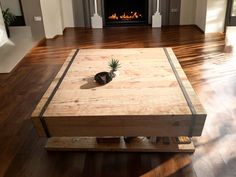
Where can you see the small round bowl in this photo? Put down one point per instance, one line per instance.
(103, 78)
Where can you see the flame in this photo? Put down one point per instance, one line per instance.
(113, 17)
(126, 16)
(133, 15)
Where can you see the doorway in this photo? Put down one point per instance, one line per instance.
(231, 13)
(15, 7)
(230, 27)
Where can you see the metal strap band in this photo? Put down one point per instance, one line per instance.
(185, 93)
(44, 124)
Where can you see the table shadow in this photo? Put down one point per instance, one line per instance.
(91, 83)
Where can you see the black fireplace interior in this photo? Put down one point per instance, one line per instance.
(126, 12)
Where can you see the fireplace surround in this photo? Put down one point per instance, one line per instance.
(125, 12)
(85, 10)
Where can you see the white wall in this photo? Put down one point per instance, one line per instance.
(13, 5)
(3, 34)
(52, 17)
(201, 10)
(210, 15)
(67, 13)
(187, 12)
(215, 18)
(57, 15)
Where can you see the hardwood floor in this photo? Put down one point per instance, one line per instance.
(209, 63)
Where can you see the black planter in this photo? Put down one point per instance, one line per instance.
(103, 78)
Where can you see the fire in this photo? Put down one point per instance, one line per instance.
(113, 17)
(125, 16)
(133, 15)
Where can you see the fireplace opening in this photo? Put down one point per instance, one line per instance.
(126, 12)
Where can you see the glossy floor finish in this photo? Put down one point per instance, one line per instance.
(210, 64)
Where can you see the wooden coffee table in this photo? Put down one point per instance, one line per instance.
(151, 97)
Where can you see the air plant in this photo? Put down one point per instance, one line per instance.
(114, 65)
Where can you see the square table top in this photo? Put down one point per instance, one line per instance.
(150, 82)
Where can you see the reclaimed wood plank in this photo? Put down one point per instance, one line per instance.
(140, 144)
(35, 116)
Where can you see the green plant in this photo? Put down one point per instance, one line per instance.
(8, 17)
(114, 64)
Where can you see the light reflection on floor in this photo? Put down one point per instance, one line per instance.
(230, 40)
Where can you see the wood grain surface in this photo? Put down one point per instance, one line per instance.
(146, 85)
(145, 99)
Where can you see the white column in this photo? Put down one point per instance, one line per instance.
(52, 18)
(96, 20)
(156, 18)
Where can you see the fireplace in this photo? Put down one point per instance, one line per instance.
(126, 12)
